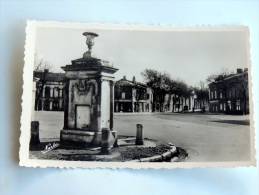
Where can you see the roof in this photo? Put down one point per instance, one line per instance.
(54, 77)
(231, 76)
(126, 82)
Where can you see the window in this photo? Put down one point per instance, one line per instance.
(142, 94)
(211, 93)
(123, 95)
(233, 92)
(56, 92)
(148, 96)
(238, 105)
(221, 107)
(229, 93)
(47, 92)
(229, 105)
(237, 93)
(61, 92)
(220, 95)
(215, 94)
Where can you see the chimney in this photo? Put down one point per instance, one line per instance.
(124, 77)
(134, 79)
(239, 70)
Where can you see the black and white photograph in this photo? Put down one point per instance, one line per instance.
(136, 96)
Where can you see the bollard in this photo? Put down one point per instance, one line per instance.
(35, 137)
(139, 137)
(105, 148)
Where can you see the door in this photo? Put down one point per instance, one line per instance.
(46, 105)
(55, 105)
(82, 117)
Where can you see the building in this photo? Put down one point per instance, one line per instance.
(132, 96)
(49, 91)
(129, 96)
(175, 103)
(230, 94)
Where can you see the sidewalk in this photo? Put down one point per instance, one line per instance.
(132, 113)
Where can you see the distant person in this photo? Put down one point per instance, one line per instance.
(203, 109)
(193, 109)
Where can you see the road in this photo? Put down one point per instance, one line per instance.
(206, 138)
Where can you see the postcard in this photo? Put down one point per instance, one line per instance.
(136, 96)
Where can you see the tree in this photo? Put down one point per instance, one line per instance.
(162, 84)
(202, 93)
(153, 80)
(159, 84)
(41, 70)
(118, 88)
(182, 91)
(40, 64)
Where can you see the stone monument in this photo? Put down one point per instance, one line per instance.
(88, 100)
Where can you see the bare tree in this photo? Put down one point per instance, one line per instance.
(152, 77)
(202, 93)
(162, 84)
(118, 88)
(40, 64)
(182, 92)
(159, 84)
(41, 70)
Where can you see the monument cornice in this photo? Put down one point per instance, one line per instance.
(106, 69)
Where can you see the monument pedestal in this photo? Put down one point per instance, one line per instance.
(85, 138)
(88, 99)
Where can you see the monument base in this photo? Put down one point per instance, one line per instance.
(85, 138)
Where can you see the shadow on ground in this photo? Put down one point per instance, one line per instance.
(235, 122)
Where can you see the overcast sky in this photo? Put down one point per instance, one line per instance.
(190, 56)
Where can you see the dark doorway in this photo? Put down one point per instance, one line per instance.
(46, 105)
(39, 105)
(47, 92)
(127, 107)
(55, 105)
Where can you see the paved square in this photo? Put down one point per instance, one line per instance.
(206, 137)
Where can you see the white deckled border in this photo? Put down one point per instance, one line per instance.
(27, 99)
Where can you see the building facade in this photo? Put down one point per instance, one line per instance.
(129, 96)
(230, 95)
(49, 91)
(132, 96)
(175, 103)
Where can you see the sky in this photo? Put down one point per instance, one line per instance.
(190, 56)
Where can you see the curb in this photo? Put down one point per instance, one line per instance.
(169, 155)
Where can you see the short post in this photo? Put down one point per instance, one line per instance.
(105, 148)
(139, 137)
(35, 137)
